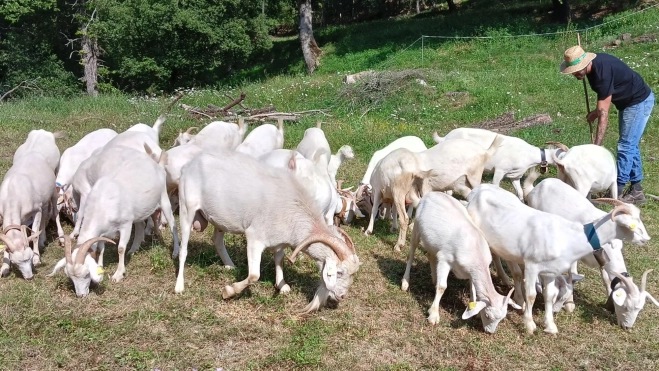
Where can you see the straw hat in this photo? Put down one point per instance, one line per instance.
(575, 60)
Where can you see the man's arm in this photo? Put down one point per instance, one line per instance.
(602, 114)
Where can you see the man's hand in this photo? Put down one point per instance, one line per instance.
(592, 116)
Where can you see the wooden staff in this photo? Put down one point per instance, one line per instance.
(585, 91)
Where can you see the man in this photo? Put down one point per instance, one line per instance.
(614, 82)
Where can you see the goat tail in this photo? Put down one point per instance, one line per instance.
(494, 147)
(527, 187)
(280, 125)
(157, 126)
(436, 138)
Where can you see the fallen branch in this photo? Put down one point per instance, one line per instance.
(232, 99)
(169, 108)
(194, 110)
(656, 198)
(235, 102)
(25, 84)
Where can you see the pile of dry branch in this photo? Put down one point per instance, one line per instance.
(506, 123)
(249, 114)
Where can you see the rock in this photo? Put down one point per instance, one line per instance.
(625, 37)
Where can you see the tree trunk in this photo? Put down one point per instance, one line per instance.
(451, 5)
(90, 61)
(562, 12)
(310, 49)
(418, 7)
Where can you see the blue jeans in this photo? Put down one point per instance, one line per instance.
(632, 121)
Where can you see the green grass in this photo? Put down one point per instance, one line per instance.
(140, 323)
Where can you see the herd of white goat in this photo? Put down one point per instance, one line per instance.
(108, 182)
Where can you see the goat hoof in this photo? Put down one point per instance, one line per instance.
(4, 272)
(117, 277)
(552, 330)
(433, 318)
(178, 288)
(36, 261)
(228, 292)
(285, 289)
(569, 307)
(404, 285)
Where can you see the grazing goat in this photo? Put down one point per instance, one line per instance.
(80, 266)
(457, 166)
(263, 139)
(553, 196)
(27, 193)
(453, 243)
(220, 136)
(587, 168)
(514, 157)
(314, 142)
(43, 143)
(344, 153)
(313, 177)
(363, 193)
(184, 136)
(68, 165)
(152, 131)
(273, 210)
(546, 244)
(124, 196)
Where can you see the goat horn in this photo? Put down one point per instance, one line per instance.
(631, 286)
(620, 208)
(332, 241)
(348, 240)
(644, 279)
(510, 293)
(559, 145)
(609, 201)
(339, 183)
(67, 249)
(189, 131)
(84, 248)
(10, 227)
(5, 239)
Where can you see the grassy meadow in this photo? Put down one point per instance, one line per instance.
(140, 324)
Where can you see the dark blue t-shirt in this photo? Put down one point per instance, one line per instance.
(611, 76)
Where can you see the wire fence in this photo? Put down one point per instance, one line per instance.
(564, 32)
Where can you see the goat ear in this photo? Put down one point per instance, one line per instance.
(514, 305)
(619, 296)
(473, 309)
(330, 273)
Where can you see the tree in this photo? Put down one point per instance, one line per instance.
(310, 48)
(562, 10)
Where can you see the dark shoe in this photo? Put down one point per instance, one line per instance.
(635, 197)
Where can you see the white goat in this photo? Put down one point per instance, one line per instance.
(124, 196)
(313, 177)
(80, 266)
(588, 168)
(553, 196)
(313, 142)
(363, 193)
(71, 159)
(453, 243)
(27, 193)
(120, 147)
(273, 211)
(514, 157)
(263, 139)
(546, 244)
(457, 166)
(152, 131)
(220, 135)
(184, 136)
(43, 143)
(344, 153)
